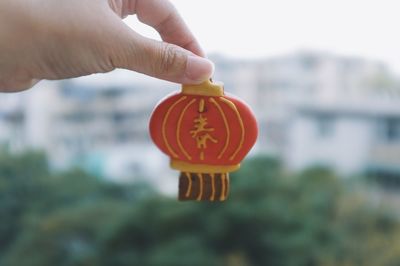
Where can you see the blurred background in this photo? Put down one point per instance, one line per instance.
(82, 184)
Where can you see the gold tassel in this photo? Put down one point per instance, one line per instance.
(203, 186)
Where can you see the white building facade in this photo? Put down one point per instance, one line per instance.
(347, 138)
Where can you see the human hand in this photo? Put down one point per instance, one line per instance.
(50, 39)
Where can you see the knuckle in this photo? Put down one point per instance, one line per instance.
(172, 59)
(107, 65)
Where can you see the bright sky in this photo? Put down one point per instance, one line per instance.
(255, 28)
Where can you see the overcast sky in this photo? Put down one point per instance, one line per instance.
(255, 28)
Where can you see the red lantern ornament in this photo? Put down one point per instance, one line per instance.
(206, 134)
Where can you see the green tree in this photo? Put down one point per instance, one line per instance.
(271, 218)
(20, 183)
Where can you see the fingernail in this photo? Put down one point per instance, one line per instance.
(198, 69)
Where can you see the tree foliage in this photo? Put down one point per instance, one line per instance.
(271, 218)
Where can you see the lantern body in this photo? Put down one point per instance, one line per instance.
(203, 130)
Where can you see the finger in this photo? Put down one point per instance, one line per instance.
(161, 60)
(162, 15)
(17, 85)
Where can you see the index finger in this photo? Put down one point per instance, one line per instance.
(163, 16)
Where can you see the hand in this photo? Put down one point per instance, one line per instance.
(55, 39)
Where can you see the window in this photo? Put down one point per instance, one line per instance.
(324, 126)
(391, 129)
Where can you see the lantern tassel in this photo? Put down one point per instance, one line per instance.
(203, 186)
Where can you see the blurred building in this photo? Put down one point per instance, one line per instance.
(100, 123)
(104, 129)
(101, 127)
(348, 137)
(271, 86)
(12, 123)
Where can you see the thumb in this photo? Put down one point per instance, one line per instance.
(163, 60)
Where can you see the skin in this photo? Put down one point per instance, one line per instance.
(58, 39)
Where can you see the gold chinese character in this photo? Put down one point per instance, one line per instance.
(201, 132)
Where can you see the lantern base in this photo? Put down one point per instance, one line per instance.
(202, 168)
(203, 186)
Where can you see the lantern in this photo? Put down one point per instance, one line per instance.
(206, 134)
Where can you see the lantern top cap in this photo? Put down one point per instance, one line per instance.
(207, 88)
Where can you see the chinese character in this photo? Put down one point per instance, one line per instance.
(201, 132)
